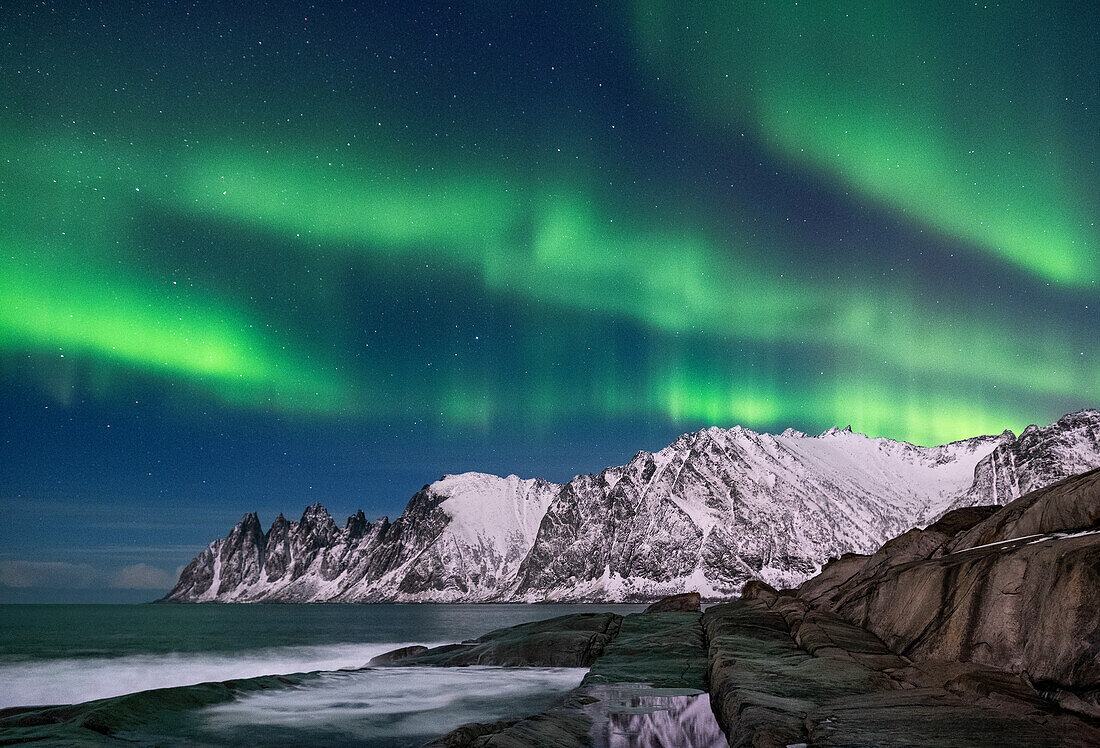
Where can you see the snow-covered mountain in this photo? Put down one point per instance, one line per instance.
(708, 512)
(460, 538)
(1041, 456)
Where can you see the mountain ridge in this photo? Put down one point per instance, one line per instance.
(709, 511)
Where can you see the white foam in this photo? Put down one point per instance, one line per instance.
(383, 704)
(74, 680)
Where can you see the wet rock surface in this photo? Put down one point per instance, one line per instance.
(103, 721)
(566, 641)
(687, 602)
(782, 674)
(648, 687)
(664, 650)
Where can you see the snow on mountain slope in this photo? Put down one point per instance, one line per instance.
(720, 506)
(710, 511)
(490, 524)
(1041, 456)
(461, 537)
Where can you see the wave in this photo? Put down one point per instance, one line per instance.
(384, 706)
(74, 680)
(402, 706)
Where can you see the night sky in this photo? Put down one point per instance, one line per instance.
(257, 256)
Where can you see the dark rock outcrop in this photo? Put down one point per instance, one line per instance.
(784, 674)
(121, 719)
(566, 641)
(686, 602)
(982, 629)
(664, 650)
(1017, 590)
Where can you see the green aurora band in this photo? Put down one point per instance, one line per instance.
(725, 325)
(548, 247)
(906, 103)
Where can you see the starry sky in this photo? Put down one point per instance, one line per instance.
(254, 256)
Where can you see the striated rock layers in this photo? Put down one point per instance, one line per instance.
(983, 629)
(1018, 589)
(710, 511)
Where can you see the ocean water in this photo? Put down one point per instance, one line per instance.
(72, 654)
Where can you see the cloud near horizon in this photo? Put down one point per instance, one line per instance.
(142, 577)
(64, 575)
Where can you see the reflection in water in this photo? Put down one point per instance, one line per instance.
(640, 716)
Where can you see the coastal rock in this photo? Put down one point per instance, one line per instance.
(781, 675)
(685, 602)
(663, 650)
(562, 728)
(105, 721)
(396, 656)
(1018, 590)
(566, 641)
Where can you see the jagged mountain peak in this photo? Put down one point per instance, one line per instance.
(249, 519)
(1086, 417)
(315, 512)
(1040, 456)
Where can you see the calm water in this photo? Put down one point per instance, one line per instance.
(64, 654)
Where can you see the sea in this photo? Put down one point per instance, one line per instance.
(201, 674)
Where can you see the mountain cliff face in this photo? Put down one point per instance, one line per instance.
(1041, 456)
(707, 513)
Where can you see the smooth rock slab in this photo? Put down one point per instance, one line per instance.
(762, 684)
(566, 641)
(646, 689)
(665, 650)
(769, 691)
(936, 719)
(687, 602)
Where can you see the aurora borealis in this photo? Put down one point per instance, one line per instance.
(254, 259)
